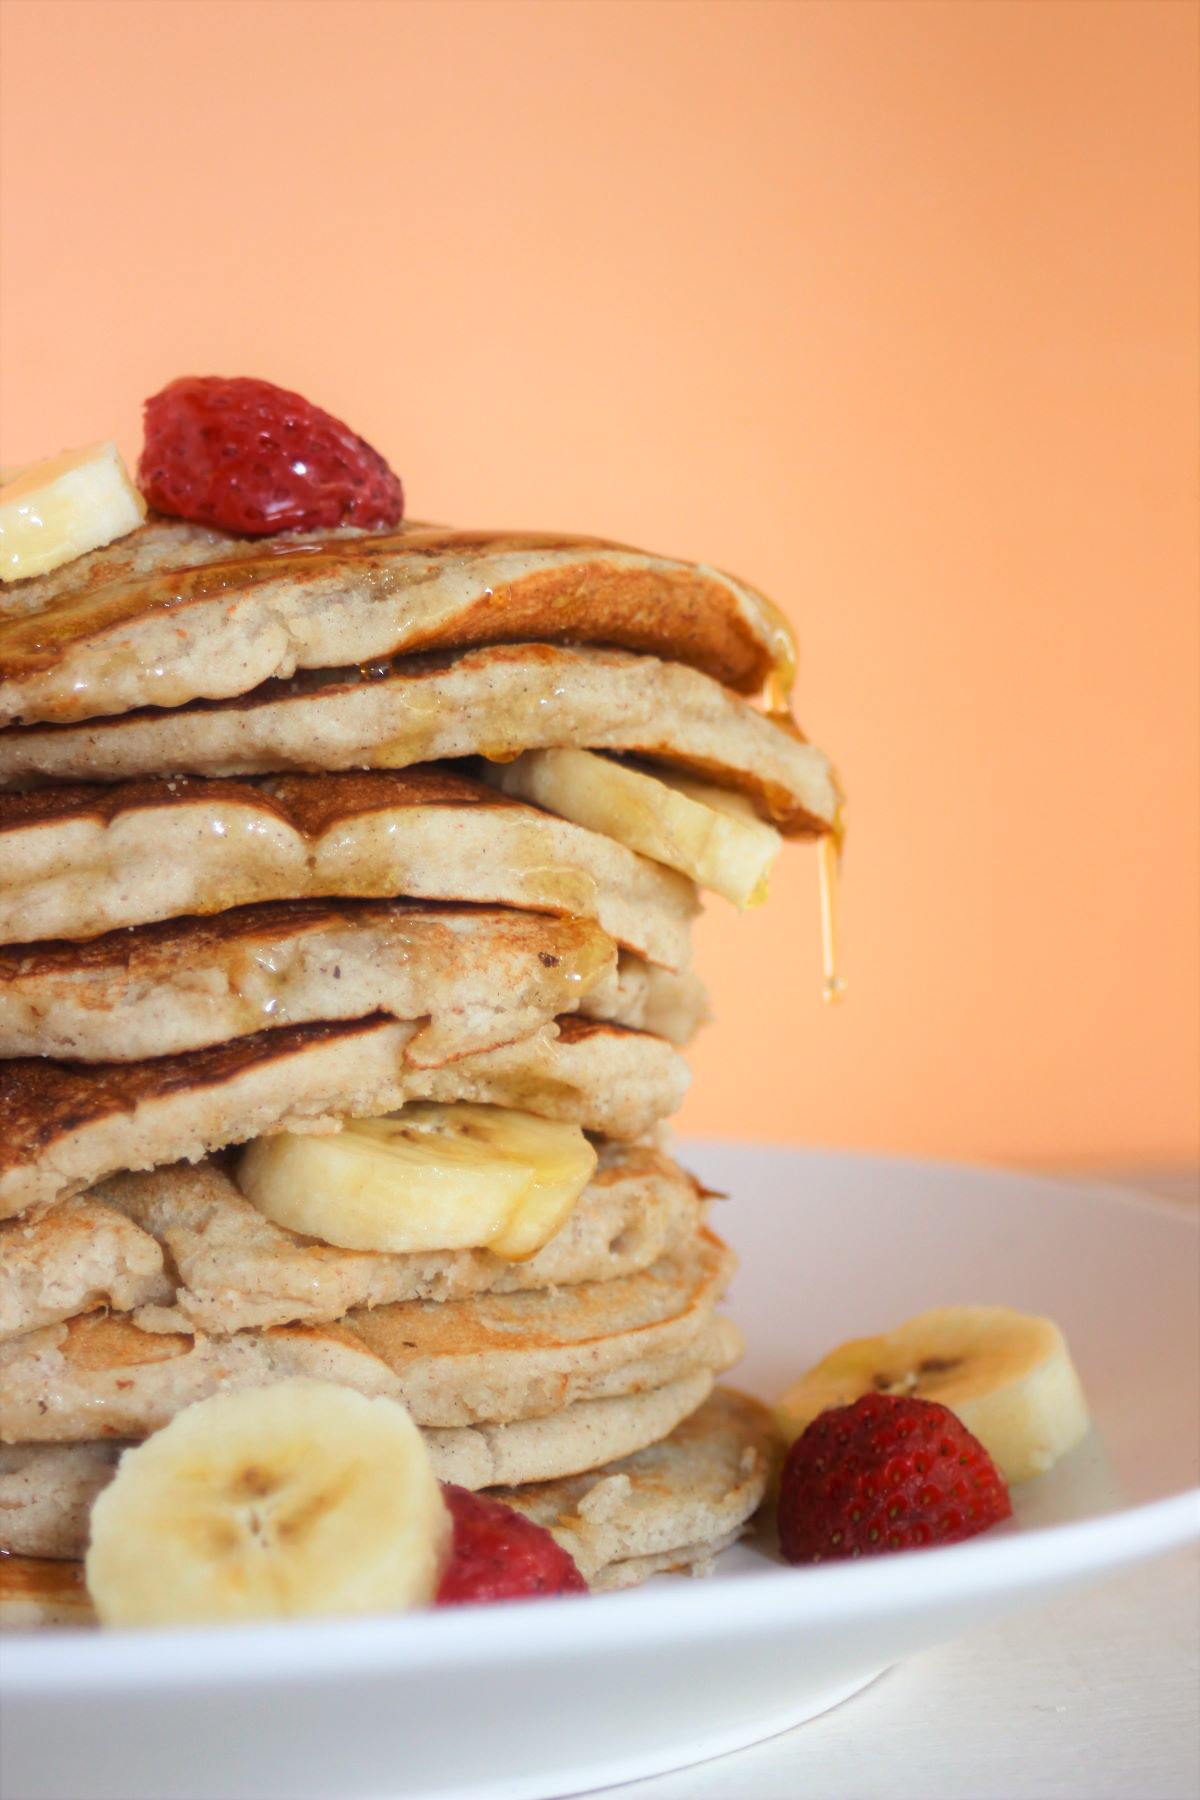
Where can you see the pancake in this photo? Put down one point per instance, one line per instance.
(494, 1358)
(64, 1126)
(672, 1504)
(487, 1360)
(83, 860)
(494, 702)
(670, 1003)
(76, 1257)
(583, 1435)
(35, 1593)
(46, 1495)
(475, 977)
(99, 1376)
(47, 1490)
(183, 1242)
(686, 1559)
(175, 611)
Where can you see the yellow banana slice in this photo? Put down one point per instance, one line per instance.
(53, 511)
(292, 1501)
(430, 1177)
(709, 833)
(1007, 1375)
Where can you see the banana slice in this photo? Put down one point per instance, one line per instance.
(53, 511)
(1008, 1376)
(428, 1177)
(707, 832)
(283, 1502)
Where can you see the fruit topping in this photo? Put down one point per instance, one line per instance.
(1007, 1375)
(291, 1501)
(56, 510)
(886, 1473)
(497, 1554)
(708, 833)
(250, 457)
(433, 1176)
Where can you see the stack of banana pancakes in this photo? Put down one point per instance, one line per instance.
(346, 892)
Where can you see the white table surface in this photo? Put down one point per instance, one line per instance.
(1096, 1697)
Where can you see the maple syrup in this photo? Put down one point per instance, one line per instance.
(781, 676)
(829, 866)
(82, 642)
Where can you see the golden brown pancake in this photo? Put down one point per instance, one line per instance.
(35, 1592)
(670, 1003)
(46, 1495)
(64, 1126)
(479, 975)
(182, 1249)
(490, 1359)
(494, 702)
(176, 611)
(85, 859)
(524, 1355)
(47, 1490)
(670, 1505)
(474, 976)
(74, 1258)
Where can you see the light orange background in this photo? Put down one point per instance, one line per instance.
(890, 307)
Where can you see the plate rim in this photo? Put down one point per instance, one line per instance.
(262, 1654)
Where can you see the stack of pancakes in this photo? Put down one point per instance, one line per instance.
(253, 879)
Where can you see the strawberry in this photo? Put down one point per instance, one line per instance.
(498, 1554)
(251, 457)
(888, 1473)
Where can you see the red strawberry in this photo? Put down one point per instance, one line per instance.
(888, 1473)
(498, 1554)
(251, 457)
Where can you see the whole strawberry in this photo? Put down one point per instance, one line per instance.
(888, 1473)
(498, 1554)
(251, 457)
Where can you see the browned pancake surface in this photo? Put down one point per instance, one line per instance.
(89, 638)
(476, 976)
(64, 1126)
(309, 804)
(35, 1591)
(185, 1242)
(494, 702)
(87, 858)
(42, 1100)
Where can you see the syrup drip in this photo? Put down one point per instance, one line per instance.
(781, 677)
(829, 865)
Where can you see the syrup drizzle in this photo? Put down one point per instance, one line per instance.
(829, 867)
(781, 676)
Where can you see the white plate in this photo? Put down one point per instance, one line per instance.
(514, 1703)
